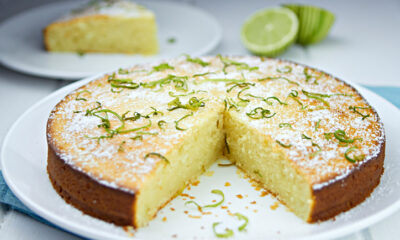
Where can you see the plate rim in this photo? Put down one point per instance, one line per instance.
(61, 222)
(24, 68)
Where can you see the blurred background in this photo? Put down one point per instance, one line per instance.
(362, 46)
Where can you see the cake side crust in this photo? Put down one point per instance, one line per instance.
(347, 193)
(88, 195)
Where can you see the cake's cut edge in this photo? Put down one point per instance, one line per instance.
(105, 27)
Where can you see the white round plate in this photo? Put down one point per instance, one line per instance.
(21, 41)
(24, 155)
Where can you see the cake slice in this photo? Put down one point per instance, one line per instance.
(107, 26)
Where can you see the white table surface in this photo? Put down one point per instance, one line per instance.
(363, 47)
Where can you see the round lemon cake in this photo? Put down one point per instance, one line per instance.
(123, 145)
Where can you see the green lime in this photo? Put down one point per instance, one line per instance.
(325, 23)
(315, 23)
(270, 32)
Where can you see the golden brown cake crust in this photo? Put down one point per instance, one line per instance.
(347, 193)
(117, 206)
(86, 194)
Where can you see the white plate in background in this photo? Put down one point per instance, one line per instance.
(21, 41)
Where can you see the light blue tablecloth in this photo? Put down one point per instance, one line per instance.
(392, 94)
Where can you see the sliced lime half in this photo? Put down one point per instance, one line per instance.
(270, 32)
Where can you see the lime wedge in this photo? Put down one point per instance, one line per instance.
(315, 23)
(325, 23)
(270, 32)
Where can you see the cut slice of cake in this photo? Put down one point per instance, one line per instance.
(107, 26)
(125, 144)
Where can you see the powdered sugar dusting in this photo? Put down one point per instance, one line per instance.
(121, 162)
(109, 8)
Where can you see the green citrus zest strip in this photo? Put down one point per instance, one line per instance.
(124, 71)
(328, 136)
(316, 152)
(303, 136)
(293, 95)
(196, 60)
(106, 124)
(310, 76)
(218, 192)
(240, 92)
(139, 135)
(267, 100)
(341, 136)
(283, 145)
(171, 40)
(274, 98)
(215, 191)
(155, 112)
(179, 81)
(135, 116)
(115, 91)
(229, 104)
(316, 96)
(137, 128)
(202, 74)
(227, 80)
(78, 98)
(285, 69)
(121, 147)
(354, 108)
(239, 65)
(228, 232)
(177, 122)
(195, 203)
(162, 67)
(157, 155)
(161, 124)
(122, 82)
(193, 104)
(259, 113)
(246, 221)
(172, 94)
(277, 78)
(317, 125)
(355, 158)
(240, 85)
(282, 125)
(90, 111)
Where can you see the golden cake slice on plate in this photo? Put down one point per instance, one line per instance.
(125, 144)
(107, 26)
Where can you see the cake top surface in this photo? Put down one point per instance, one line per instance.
(124, 8)
(118, 127)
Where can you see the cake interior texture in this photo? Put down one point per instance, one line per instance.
(123, 145)
(186, 161)
(260, 157)
(114, 28)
